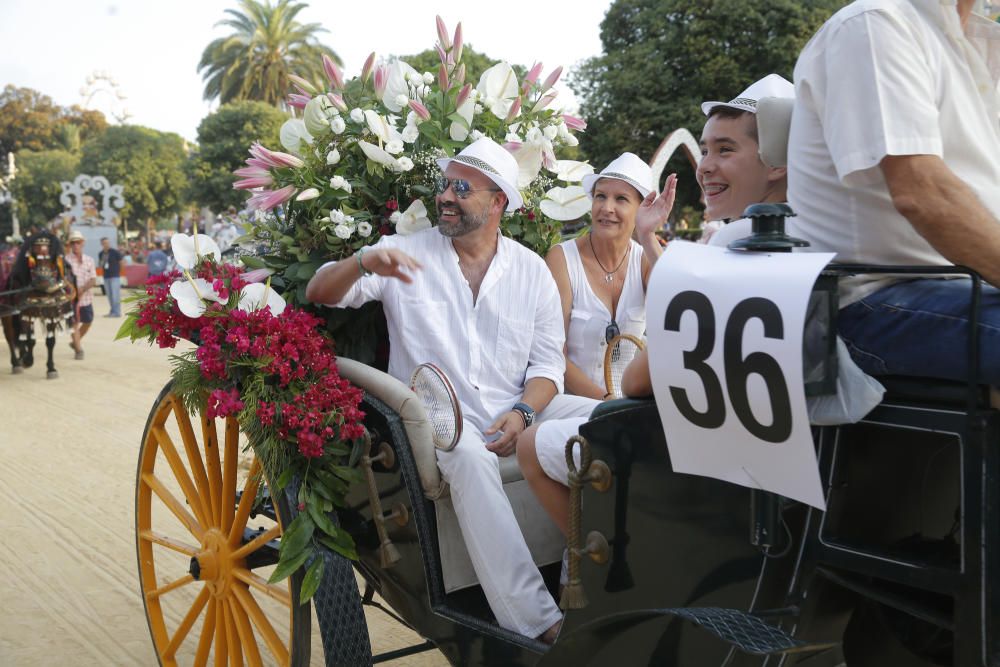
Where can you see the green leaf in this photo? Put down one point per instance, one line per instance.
(253, 262)
(345, 546)
(458, 118)
(297, 537)
(127, 329)
(284, 478)
(310, 582)
(322, 521)
(288, 565)
(356, 452)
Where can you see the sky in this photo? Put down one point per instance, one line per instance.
(151, 49)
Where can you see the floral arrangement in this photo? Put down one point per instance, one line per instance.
(271, 367)
(359, 161)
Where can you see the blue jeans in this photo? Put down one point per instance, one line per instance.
(920, 328)
(113, 286)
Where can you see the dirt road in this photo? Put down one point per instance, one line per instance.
(68, 451)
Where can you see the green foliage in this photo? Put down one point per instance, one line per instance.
(663, 58)
(148, 163)
(266, 45)
(475, 63)
(32, 121)
(36, 188)
(223, 137)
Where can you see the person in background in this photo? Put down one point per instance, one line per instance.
(110, 260)
(157, 260)
(85, 273)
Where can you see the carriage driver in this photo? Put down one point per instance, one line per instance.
(899, 163)
(486, 311)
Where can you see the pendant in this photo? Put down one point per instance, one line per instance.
(608, 277)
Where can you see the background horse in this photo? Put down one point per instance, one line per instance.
(43, 290)
(10, 318)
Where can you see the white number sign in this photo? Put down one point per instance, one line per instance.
(725, 355)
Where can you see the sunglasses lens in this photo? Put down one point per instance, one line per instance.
(461, 188)
(442, 184)
(611, 332)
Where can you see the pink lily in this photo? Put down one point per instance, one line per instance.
(298, 101)
(255, 162)
(443, 77)
(442, 33)
(463, 95)
(459, 78)
(251, 183)
(515, 109)
(252, 172)
(256, 276)
(420, 110)
(456, 50)
(366, 69)
(381, 78)
(268, 199)
(274, 158)
(301, 83)
(512, 146)
(441, 54)
(574, 123)
(552, 78)
(332, 72)
(337, 101)
(544, 102)
(532, 77)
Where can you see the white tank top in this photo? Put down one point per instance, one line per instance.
(589, 318)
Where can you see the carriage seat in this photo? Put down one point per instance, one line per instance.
(542, 536)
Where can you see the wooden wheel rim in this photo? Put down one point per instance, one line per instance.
(231, 619)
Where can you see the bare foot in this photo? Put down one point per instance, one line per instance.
(549, 636)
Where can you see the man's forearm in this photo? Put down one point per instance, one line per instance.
(538, 392)
(331, 283)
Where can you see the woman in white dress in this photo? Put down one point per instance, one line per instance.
(602, 274)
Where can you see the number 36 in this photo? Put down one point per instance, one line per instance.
(737, 368)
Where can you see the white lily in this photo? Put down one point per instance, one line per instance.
(459, 131)
(376, 154)
(413, 219)
(260, 295)
(498, 89)
(188, 250)
(565, 204)
(293, 133)
(396, 85)
(191, 294)
(572, 171)
(381, 127)
(530, 156)
(318, 113)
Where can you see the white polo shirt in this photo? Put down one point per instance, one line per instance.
(889, 77)
(513, 332)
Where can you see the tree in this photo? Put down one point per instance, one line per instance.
(148, 163)
(30, 120)
(36, 189)
(268, 44)
(475, 63)
(223, 139)
(663, 58)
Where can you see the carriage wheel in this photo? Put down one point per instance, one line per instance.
(205, 552)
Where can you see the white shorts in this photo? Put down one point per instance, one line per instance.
(550, 445)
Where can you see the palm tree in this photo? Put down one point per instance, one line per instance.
(268, 44)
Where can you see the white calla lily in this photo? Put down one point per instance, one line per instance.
(191, 294)
(293, 134)
(183, 247)
(498, 89)
(381, 127)
(530, 157)
(564, 204)
(378, 155)
(572, 171)
(413, 219)
(259, 295)
(459, 131)
(317, 114)
(396, 84)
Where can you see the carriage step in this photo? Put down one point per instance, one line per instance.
(264, 506)
(745, 631)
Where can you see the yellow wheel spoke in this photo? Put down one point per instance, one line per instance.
(247, 640)
(232, 637)
(185, 626)
(207, 633)
(231, 463)
(246, 503)
(264, 627)
(194, 500)
(221, 634)
(174, 505)
(173, 585)
(214, 463)
(256, 543)
(194, 458)
(279, 593)
(169, 542)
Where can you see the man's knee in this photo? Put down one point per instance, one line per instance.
(527, 456)
(468, 460)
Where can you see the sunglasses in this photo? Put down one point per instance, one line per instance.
(461, 187)
(611, 332)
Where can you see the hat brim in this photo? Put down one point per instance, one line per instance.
(590, 180)
(514, 199)
(706, 107)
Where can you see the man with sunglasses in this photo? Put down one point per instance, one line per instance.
(485, 310)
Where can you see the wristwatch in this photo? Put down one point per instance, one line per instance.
(527, 413)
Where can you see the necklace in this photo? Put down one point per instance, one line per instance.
(608, 275)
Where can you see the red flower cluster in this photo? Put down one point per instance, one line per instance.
(223, 402)
(160, 314)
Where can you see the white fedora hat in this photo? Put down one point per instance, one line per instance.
(493, 160)
(627, 167)
(771, 85)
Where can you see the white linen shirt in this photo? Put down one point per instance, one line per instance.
(488, 349)
(889, 77)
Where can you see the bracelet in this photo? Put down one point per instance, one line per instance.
(361, 267)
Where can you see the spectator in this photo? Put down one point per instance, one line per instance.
(110, 260)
